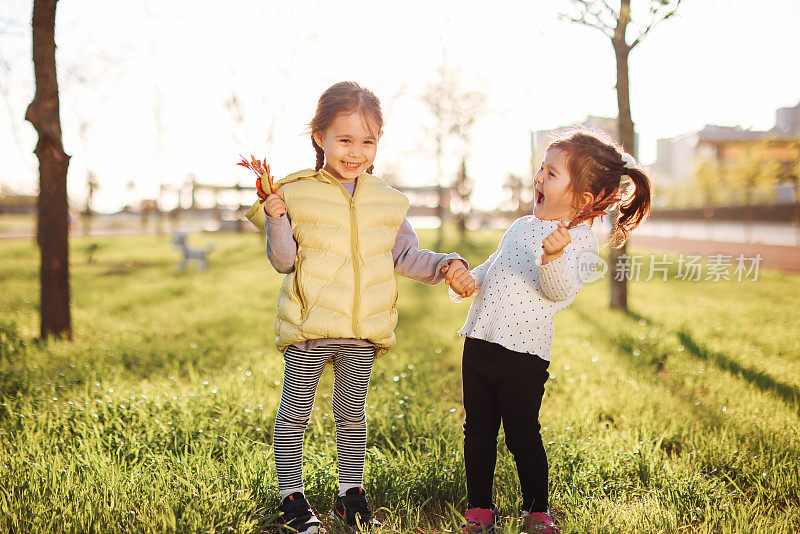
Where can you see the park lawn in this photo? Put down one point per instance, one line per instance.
(681, 416)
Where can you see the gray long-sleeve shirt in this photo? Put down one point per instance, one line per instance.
(409, 260)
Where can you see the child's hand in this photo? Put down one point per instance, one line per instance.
(459, 278)
(554, 243)
(274, 205)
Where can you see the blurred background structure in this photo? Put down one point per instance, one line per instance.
(155, 110)
(176, 91)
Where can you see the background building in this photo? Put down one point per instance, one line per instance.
(726, 148)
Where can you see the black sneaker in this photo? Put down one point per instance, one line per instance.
(353, 509)
(297, 517)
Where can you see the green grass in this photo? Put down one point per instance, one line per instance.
(681, 416)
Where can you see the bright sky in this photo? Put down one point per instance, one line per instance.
(148, 81)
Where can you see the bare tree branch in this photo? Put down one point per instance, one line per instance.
(584, 22)
(591, 16)
(610, 9)
(596, 14)
(659, 15)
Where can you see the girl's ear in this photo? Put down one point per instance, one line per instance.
(317, 138)
(380, 134)
(586, 199)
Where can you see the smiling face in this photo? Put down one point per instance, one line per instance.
(553, 195)
(350, 144)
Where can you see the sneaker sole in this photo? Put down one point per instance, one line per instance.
(311, 530)
(335, 517)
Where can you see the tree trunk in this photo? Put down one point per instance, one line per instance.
(440, 212)
(463, 191)
(619, 288)
(43, 114)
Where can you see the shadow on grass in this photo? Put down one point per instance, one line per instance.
(707, 414)
(716, 466)
(763, 381)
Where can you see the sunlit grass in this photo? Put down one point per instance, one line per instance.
(680, 416)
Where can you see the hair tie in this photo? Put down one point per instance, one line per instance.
(628, 161)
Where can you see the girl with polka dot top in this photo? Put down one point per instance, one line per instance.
(537, 270)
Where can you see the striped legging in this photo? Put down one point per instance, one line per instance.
(352, 366)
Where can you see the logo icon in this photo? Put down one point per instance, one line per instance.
(590, 267)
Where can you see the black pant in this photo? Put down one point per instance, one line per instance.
(501, 384)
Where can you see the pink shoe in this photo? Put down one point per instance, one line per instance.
(480, 519)
(539, 523)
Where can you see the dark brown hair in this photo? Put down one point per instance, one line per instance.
(595, 164)
(344, 98)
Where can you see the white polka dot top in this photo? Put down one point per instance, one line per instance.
(517, 297)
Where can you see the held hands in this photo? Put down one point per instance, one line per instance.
(274, 205)
(459, 278)
(554, 243)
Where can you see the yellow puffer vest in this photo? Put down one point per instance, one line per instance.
(343, 284)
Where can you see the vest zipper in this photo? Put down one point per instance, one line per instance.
(356, 270)
(353, 246)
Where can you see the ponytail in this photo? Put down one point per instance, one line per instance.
(320, 154)
(634, 210)
(599, 165)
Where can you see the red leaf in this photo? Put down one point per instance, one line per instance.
(259, 189)
(272, 188)
(261, 169)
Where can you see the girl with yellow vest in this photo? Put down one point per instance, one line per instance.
(339, 234)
